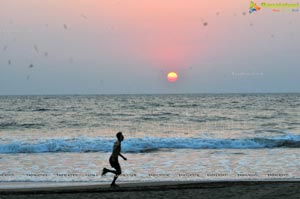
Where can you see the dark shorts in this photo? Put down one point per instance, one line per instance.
(115, 164)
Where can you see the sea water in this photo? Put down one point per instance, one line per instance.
(167, 137)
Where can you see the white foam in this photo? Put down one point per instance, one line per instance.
(146, 144)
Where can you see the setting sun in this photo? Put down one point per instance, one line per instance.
(172, 77)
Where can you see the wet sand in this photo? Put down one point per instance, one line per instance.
(189, 190)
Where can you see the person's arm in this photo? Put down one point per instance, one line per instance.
(122, 156)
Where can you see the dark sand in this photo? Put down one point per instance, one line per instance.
(156, 190)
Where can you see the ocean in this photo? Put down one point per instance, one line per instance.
(167, 137)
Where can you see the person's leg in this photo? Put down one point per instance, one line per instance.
(112, 164)
(105, 170)
(118, 172)
(113, 183)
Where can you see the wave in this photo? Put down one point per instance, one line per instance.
(7, 125)
(147, 144)
(43, 110)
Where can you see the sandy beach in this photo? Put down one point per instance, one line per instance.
(231, 189)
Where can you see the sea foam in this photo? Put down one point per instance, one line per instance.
(146, 144)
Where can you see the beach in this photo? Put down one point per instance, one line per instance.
(177, 146)
(167, 99)
(188, 137)
(208, 189)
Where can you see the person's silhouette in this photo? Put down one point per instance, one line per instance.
(113, 160)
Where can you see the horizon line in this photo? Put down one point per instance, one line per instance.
(115, 94)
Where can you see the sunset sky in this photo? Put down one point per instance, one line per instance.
(130, 46)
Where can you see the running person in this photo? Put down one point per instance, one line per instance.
(113, 160)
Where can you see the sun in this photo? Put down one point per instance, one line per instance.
(172, 77)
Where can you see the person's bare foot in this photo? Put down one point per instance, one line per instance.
(104, 171)
(114, 186)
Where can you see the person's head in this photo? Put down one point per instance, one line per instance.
(120, 136)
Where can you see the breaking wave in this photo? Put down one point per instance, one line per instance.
(147, 144)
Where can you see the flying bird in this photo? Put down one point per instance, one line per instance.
(36, 48)
(84, 17)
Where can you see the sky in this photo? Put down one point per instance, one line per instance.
(129, 47)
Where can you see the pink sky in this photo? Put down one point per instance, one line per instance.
(135, 43)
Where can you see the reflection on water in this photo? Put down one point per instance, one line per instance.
(164, 165)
